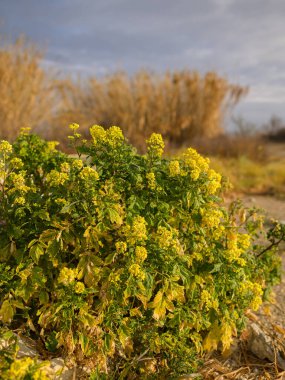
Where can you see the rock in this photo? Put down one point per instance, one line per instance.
(26, 348)
(262, 345)
(59, 370)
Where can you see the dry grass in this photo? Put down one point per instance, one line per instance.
(27, 93)
(179, 105)
(253, 177)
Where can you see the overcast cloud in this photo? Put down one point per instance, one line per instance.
(241, 39)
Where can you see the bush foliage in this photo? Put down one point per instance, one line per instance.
(127, 263)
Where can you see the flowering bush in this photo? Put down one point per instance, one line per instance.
(124, 262)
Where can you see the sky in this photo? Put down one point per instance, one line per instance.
(243, 40)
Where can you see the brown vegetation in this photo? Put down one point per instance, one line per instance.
(27, 93)
(180, 105)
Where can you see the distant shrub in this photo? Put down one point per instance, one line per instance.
(180, 105)
(27, 92)
(127, 263)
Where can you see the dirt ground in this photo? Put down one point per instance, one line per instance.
(242, 364)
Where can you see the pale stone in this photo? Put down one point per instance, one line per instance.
(261, 345)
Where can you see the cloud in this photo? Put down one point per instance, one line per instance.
(243, 40)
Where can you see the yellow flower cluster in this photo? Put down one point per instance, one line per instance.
(16, 163)
(236, 245)
(55, 178)
(244, 241)
(174, 168)
(25, 131)
(65, 167)
(155, 144)
(19, 183)
(211, 217)
(137, 233)
(254, 288)
(67, 276)
(115, 136)
(79, 287)
(74, 126)
(151, 183)
(121, 247)
(208, 300)
(214, 181)
(51, 145)
(136, 271)
(77, 164)
(168, 239)
(24, 368)
(195, 162)
(20, 201)
(5, 147)
(88, 173)
(141, 253)
(98, 134)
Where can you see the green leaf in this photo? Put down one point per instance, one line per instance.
(36, 251)
(7, 312)
(114, 216)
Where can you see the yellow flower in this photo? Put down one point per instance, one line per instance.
(55, 178)
(155, 144)
(5, 147)
(17, 163)
(167, 239)
(18, 181)
(141, 253)
(89, 173)
(214, 181)
(136, 271)
(52, 145)
(115, 136)
(77, 164)
(79, 287)
(74, 126)
(138, 232)
(206, 299)
(121, 246)
(244, 241)
(195, 162)
(64, 167)
(195, 174)
(256, 291)
(174, 168)
(67, 276)
(25, 131)
(98, 134)
(20, 201)
(26, 367)
(151, 180)
(211, 218)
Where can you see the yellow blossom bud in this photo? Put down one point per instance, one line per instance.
(79, 287)
(155, 145)
(67, 276)
(141, 253)
(174, 168)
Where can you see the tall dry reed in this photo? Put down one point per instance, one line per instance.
(27, 92)
(180, 105)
